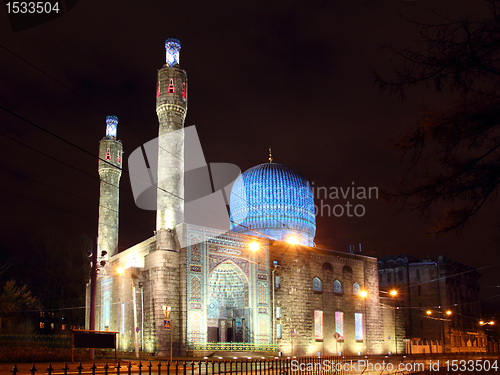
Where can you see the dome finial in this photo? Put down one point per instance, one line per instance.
(270, 155)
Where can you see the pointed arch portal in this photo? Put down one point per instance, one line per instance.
(228, 312)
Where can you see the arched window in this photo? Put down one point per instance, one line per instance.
(347, 272)
(355, 289)
(327, 267)
(337, 287)
(171, 89)
(316, 285)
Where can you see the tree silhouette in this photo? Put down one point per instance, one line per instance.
(454, 152)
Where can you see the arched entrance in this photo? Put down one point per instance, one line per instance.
(228, 304)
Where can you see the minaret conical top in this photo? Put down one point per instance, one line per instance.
(111, 125)
(172, 47)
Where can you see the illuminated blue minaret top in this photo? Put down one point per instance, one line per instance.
(173, 47)
(111, 124)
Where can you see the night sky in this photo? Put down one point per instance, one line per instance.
(296, 76)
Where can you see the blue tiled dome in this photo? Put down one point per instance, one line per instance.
(273, 200)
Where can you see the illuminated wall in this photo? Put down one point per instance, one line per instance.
(228, 289)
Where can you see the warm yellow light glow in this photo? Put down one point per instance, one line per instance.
(120, 270)
(448, 312)
(394, 293)
(254, 246)
(292, 240)
(363, 294)
(481, 322)
(428, 312)
(492, 322)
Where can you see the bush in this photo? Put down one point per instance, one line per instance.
(34, 352)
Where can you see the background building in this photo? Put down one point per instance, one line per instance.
(439, 300)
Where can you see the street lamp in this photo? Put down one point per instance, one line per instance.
(121, 271)
(254, 246)
(363, 294)
(293, 240)
(393, 294)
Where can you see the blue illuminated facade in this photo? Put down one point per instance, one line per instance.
(111, 125)
(274, 201)
(173, 48)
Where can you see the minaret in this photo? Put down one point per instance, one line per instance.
(110, 171)
(171, 107)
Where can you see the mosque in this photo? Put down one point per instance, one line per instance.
(262, 286)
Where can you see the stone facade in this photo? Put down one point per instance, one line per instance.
(271, 292)
(222, 287)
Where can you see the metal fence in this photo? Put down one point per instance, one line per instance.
(373, 365)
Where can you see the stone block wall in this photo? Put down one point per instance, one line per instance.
(162, 277)
(296, 268)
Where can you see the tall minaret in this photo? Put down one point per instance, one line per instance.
(110, 171)
(171, 107)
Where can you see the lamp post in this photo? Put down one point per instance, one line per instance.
(393, 294)
(166, 311)
(448, 313)
(121, 271)
(364, 294)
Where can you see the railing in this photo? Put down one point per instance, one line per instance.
(334, 365)
(233, 346)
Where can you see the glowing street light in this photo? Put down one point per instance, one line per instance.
(363, 294)
(428, 312)
(393, 293)
(448, 312)
(293, 240)
(254, 246)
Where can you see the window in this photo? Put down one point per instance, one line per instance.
(355, 289)
(337, 287)
(318, 324)
(316, 285)
(418, 274)
(42, 325)
(339, 324)
(184, 90)
(400, 275)
(108, 155)
(278, 312)
(358, 326)
(347, 272)
(388, 277)
(171, 89)
(277, 282)
(380, 277)
(278, 331)
(418, 288)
